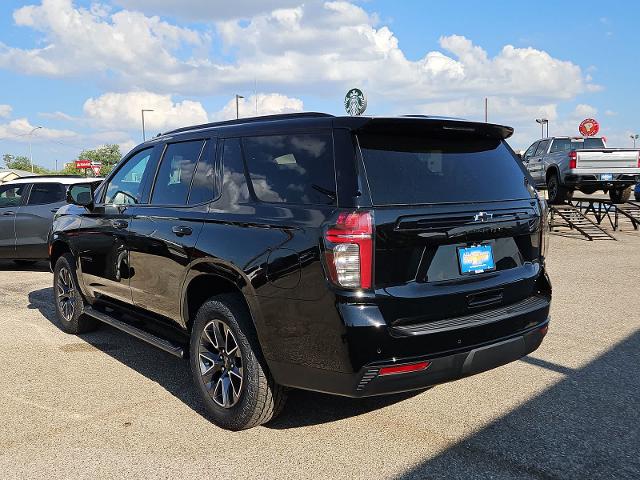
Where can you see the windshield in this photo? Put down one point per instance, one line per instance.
(568, 144)
(447, 168)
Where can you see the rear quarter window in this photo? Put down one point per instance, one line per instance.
(447, 168)
(295, 169)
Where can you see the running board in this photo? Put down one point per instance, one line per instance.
(158, 342)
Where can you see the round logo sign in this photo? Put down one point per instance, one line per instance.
(589, 127)
(355, 103)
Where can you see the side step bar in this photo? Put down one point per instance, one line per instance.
(158, 342)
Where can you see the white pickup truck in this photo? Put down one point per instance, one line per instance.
(565, 164)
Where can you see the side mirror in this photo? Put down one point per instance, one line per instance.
(80, 194)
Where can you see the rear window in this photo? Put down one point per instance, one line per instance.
(568, 144)
(452, 168)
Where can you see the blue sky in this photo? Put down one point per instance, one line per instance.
(82, 70)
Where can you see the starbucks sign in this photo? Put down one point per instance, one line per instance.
(355, 103)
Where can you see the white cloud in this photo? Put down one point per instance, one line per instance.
(21, 130)
(57, 115)
(268, 104)
(584, 110)
(315, 47)
(5, 111)
(207, 9)
(610, 113)
(123, 111)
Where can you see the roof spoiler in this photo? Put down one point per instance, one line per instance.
(417, 125)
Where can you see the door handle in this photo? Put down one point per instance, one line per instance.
(181, 230)
(7, 214)
(120, 224)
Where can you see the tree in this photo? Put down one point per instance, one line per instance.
(21, 162)
(108, 155)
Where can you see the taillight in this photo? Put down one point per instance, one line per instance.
(573, 159)
(349, 250)
(638, 159)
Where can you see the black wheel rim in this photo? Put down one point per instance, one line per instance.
(66, 294)
(221, 365)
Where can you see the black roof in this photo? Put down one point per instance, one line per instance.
(361, 123)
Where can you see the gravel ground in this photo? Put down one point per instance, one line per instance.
(105, 405)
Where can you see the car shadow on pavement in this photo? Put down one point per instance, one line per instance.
(303, 409)
(585, 426)
(28, 266)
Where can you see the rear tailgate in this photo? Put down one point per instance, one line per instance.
(611, 160)
(437, 197)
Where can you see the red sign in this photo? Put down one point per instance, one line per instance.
(589, 127)
(96, 169)
(83, 163)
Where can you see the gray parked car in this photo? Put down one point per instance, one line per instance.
(27, 207)
(565, 164)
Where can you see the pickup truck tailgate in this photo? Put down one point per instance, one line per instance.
(607, 158)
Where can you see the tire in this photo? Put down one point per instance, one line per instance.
(620, 195)
(253, 398)
(68, 298)
(557, 193)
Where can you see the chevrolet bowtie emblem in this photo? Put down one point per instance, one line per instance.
(483, 217)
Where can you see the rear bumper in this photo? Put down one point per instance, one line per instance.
(588, 179)
(441, 368)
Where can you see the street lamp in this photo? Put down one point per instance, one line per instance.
(144, 139)
(634, 138)
(542, 122)
(30, 152)
(238, 97)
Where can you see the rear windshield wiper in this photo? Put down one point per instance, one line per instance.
(329, 193)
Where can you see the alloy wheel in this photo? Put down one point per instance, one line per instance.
(221, 365)
(66, 293)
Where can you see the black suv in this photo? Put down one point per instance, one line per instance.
(351, 255)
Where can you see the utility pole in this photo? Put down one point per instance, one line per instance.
(486, 110)
(30, 151)
(542, 122)
(238, 97)
(144, 138)
(634, 138)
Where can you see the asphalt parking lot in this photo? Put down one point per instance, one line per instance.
(105, 405)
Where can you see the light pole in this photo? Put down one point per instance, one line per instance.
(144, 138)
(238, 97)
(30, 152)
(542, 122)
(634, 138)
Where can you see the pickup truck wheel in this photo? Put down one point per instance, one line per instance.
(228, 369)
(620, 195)
(557, 193)
(68, 299)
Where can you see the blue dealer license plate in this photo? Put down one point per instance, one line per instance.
(606, 177)
(476, 259)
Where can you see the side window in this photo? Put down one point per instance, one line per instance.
(203, 187)
(176, 172)
(44, 193)
(234, 181)
(11, 195)
(542, 148)
(294, 169)
(530, 150)
(126, 185)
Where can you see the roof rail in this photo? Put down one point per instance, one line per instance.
(239, 121)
